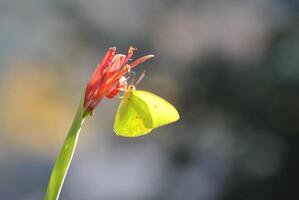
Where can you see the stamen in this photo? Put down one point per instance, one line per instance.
(140, 78)
(141, 60)
(131, 75)
(129, 68)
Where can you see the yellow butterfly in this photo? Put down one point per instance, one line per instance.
(140, 112)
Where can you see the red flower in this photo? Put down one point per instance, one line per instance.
(108, 78)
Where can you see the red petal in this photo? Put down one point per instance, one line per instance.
(116, 63)
(97, 75)
(121, 86)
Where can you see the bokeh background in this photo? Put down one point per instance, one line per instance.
(231, 67)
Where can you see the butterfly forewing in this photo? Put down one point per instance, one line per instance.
(132, 118)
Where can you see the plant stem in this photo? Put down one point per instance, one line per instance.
(65, 156)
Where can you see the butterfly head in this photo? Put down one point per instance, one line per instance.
(131, 87)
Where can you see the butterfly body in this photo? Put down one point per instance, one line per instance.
(140, 112)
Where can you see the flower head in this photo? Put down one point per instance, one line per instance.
(109, 77)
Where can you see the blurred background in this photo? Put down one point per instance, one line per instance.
(231, 67)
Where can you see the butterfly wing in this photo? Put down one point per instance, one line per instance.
(133, 118)
(161, 111)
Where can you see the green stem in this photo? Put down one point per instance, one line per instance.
(65, 156)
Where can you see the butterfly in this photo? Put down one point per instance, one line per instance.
(140, 112)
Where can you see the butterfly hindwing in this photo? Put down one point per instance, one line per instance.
(161, 111)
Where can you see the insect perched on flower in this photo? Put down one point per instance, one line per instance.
(139, 111)
(109, 77)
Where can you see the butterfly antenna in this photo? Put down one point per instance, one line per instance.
(140, 78)
(132, 76)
